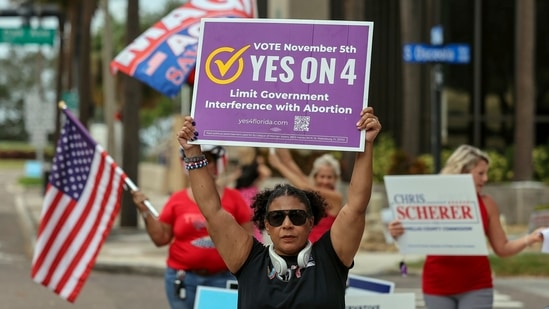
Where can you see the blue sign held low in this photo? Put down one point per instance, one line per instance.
(358, 283)
(425, 53)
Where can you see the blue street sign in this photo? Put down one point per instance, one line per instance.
(449, 53)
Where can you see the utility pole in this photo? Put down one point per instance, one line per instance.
(437, 80)
(477, 69)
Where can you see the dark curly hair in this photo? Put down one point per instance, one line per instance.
(316, 204)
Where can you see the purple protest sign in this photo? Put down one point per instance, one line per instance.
(282, 83)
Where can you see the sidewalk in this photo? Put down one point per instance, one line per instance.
(131, 250)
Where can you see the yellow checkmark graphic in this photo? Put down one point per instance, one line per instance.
(224, 66)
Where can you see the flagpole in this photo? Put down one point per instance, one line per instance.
(129, 183)
(150, 207)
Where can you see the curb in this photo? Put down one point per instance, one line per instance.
(28, 224)
(128, 268)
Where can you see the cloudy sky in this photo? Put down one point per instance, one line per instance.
(118, 7)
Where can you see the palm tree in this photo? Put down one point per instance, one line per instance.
(109, 99)
(524, 89)
(132, 102)
(87, 9)
(411, 32)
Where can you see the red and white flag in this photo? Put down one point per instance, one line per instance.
(80, 205)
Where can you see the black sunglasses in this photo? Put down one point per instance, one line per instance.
(297, 216)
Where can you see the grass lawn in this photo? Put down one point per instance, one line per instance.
(527, 263)
(524, 264)
(12, 164)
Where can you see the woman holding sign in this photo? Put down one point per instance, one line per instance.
(466, 281)
(291, 272)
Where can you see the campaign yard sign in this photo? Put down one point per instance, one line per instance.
(282, 83)
(213, 297)
(361, 284)
(440, 214)
(208, 297)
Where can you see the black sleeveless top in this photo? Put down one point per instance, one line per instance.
(320, 285)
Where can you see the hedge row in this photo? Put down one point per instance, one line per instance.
(20, 154)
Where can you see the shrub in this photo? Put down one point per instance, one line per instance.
(30, 181)
(390, 160)
(541, 163)
(384, 148)
(20, 150)
(499, 170)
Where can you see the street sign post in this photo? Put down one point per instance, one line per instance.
(436, 54)
(39, 122)
(71, 99)
(27, 35)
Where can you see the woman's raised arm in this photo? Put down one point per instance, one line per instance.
(348, 227)
(231, 240)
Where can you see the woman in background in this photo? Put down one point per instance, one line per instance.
(323, 179)
(454, 282)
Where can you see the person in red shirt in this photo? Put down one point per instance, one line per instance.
(323, 178)
(466, 281)
(192, 257)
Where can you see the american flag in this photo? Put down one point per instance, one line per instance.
(79, 208)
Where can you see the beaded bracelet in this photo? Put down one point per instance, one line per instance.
(194, 165)
(194, 159)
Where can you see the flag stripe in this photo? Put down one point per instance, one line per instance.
(53, 232)
(79, 230)
(86, 264)
(47, 212)
(80, 206)
(90, 248)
